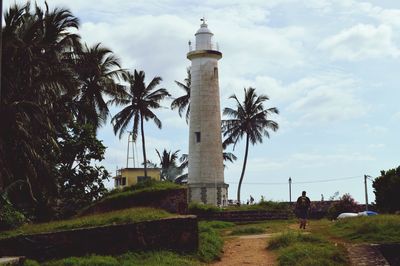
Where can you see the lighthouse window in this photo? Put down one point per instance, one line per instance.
(215, 72)
(197, 134)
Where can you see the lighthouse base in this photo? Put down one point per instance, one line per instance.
(208, 193)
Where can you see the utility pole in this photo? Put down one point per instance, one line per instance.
(290, 189)
(366, 192)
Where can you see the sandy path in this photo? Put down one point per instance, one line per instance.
(247, 250)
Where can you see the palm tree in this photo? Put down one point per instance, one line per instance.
(140, 102)
(34, 77)
(170, 170)
(249, 120)
(97, 69)
(183, 102)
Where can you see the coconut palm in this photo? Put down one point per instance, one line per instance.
(98, 69)
(183, 102)
(139, 103)
(249, 120)
(170, 170)
(34, 77)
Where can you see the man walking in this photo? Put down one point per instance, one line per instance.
(303, 205)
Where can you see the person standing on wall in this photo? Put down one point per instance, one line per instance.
(303, 205)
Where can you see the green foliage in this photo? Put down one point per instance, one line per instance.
(372, 229)
(80, 182)
(346, 203)
(52, 87)
(115, 217)
(211, 243)
(387, 190)
(251, 230)
(10, 217)
(301, 249)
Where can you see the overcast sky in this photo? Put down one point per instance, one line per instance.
(330, 67)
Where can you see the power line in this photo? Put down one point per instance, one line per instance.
(301, 182)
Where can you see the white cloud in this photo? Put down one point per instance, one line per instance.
(360, 42)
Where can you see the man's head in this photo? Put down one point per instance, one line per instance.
(303, 193)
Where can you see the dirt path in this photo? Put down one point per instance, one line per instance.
(247, 250)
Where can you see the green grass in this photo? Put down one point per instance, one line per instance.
(249, 230)
(371, 229)
(300, 249)
(211, 242)
(141, 187)
(116, 217)
(130, 258)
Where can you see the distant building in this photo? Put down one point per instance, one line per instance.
(131, 176)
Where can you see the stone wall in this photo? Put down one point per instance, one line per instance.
(171, 200)
(244, 216)
(178, 234)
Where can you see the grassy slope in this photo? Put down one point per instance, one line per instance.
(115, 217)
(372, 229)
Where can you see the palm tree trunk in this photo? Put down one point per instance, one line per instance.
(143, 146)
(244, 167)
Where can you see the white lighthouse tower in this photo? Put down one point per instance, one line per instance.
(206, 171)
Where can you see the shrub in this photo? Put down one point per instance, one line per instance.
(346, 203)
(10, 217)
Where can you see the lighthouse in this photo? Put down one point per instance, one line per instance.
(206, 170)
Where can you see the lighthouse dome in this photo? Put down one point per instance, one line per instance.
(204, 37)
(204, 29)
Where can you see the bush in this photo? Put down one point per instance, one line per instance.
(346, 203)
(387, 190)
(10, 218)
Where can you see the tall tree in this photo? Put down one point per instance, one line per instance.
(170, 170)
(139, 101)
(34, 77)
(249, 120)
(97, 69)
(183, 102)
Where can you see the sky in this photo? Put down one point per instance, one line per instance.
(331, 67)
